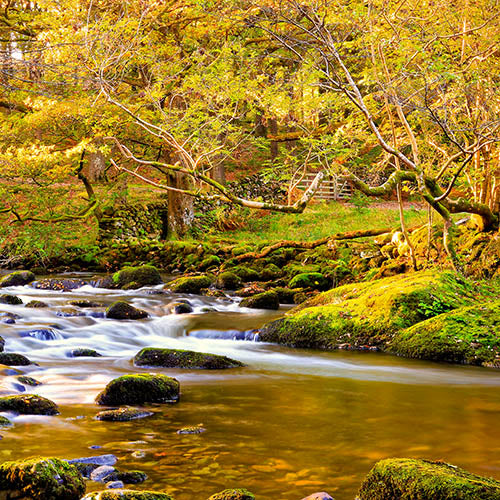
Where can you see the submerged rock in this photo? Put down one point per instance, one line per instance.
(129, 477)
(196, 429)
(96, 460)
(189, 284)
(14, 359)
(405, 478)
(114, 484)
(179, 358)
(123, 310)
(28, 404)
(83, 352)
(137, 277)
(236, 494)
(17, 278)
(36, 304)
(319, 496)
(69, 312)
(64, 284)
(126, 495)
(266, 300)
(41, 334)
(140, 388)
(100, 473)
(40, 479)
(12, 300)
(123, 414)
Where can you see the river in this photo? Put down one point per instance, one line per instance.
(290, 423)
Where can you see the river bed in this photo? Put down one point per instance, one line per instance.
(290, 423)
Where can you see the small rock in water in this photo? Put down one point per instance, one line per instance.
(123, 310)
(24, 379)
(36, 304)
(12, 300)
(123, 414)
(319, 496)
(5, 422)
(138, 454)
(101, 472)
(14, 359)
(95, 446)
(69, 312)
(85, 303)
(28, 404)
(197, 429)
(114, 484)
(131, 477)
(9, 321)
(41, 334)
(82, 352)
(59, 284)
(182, 308)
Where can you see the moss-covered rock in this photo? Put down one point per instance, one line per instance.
(178, 358)
(407, 479)
(370, 313)
(28, 404)
(17, 278)
(228, 281)
(120, 494)
(123, 310)
(12, 300)
(233, 494)
(123, 414)
(266, 300)
(32, 382)
(270, 272)
(139, 389)
(5, 422)
(14, 359)
(41, 479)
(140, 276)
(246, 273)
(36, 304)
(189, 284)
(315, 281)
(468, 335)
(209, 262)
(294, 268)
(83, 352)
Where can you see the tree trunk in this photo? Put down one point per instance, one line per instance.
(180, 206)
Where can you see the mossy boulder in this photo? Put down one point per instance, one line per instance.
(271, 272)
(14, 359)
(245, 273)
(11, 300)
(138, 276)
(189, 284)
(210, 261)
(120, 494)
(28, 404)
(315, 281)
(123, 414)
(266, 300)
(123, 310)
(228, 281)
(294, 268)
(233, 494)
(41, 479)
(17, 278)
(469, 335)
(178, 358)
(85, 353)
(408, 479)
(139, 389)
(370, 313)
(36, 304)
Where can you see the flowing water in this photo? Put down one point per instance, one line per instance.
(290, 423)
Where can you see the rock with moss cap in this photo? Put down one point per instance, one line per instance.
(189, 284)
(137, 277)
(36, 304)
(245, 273)
(209, 262)
(28, 404)
(11, 300)
(316, 281)
(5, 422)
(120, 494)
(14, 359)
(123, 310)
(123, 414)
(140, 388)
(405, 478)
(17, 278)
(178, 358)
(233, 494)
(41, 479)
(228, 281)
(266, 300)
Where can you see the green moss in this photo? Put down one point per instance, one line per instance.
(177, 358)
(210, 261)
(233, 494)
(17, 278)
(310, 280)
(189, 284)
(228, 281)
(14, 359)
(246, 273)
(271, 272)
(370, 313)
(138, 389)
(265, 300)
(295, 268)
(407, 479)
(28, 404)
(42, 479)
(126, 495)
(140, 276)
(468, 335)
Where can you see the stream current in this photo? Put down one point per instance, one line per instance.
(290, 423)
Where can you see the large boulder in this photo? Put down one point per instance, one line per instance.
(137, 277)
(120, 494)
(178, 358)
(138, 389)
(265, 300)
(233, 494)
(123, 310)
(408, 479)
(468, 335)
(17, 278)
(189, 284)
(370, 313)
(28, 404)
(40, 479)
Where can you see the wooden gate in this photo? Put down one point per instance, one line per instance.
(333, 187)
